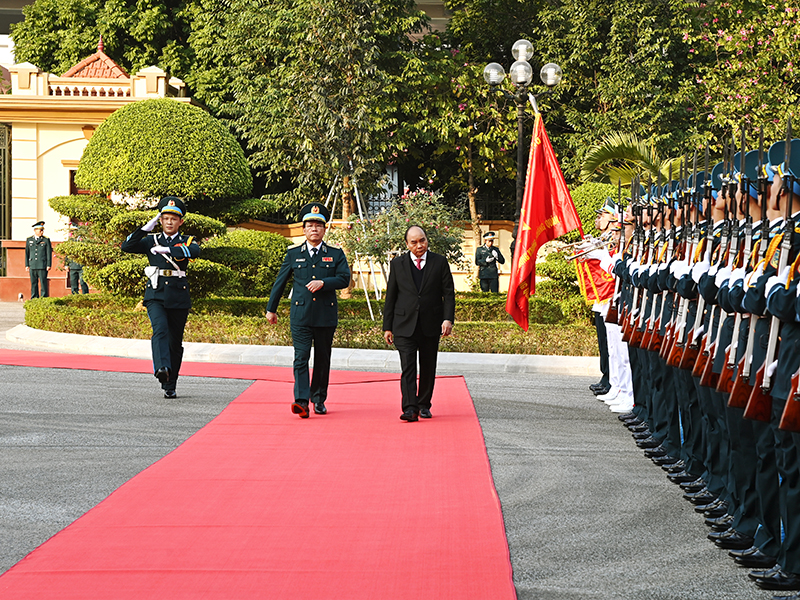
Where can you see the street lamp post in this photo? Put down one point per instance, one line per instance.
(521, 75)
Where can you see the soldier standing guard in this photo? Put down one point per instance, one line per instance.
(318, 271)
(38, 260)
(166, 296)
(487, 257)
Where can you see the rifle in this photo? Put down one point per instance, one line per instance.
(633, 311)
(759, 404)
(742, 387)
(692, 355)
(640, 330)
(702, 196)
(612, 316)
(689, 237)
(790, 419)
(724, 379)
(652, 338)
(666, 342)
(708, 378)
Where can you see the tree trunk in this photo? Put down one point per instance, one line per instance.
(472, 194)
(347, 210)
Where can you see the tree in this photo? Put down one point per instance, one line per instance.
(57, 34)
(313, 84)
(746, 55)
(163, 147)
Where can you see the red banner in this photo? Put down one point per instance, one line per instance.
(547, 213)
(596, 285)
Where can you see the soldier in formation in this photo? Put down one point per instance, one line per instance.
(708, 303)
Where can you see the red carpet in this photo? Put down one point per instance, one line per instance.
(352, 505)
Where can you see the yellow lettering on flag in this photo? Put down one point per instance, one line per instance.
(548, 224)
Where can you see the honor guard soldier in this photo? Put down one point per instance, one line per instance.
(487, 257)
(38, 260)
(166, 296)
(318, 270)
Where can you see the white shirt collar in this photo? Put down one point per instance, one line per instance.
(310, 246)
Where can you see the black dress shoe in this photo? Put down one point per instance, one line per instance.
(162, 375)
(642, 435)
(732, 539)
(596, 386)
(661, 461)
(170, 394)
(701, 508)
(715, 535)
(655, 452)
(701, 497)
(300, 408)
(650, 442)
(756, 575)
(410, 416)
(754, 560)
(681, 477)
(425, 413)
(319, 408)
(640, 428)
(675, 468)
(714, 513)
(601, 391)
(721, 523)
(694, 486)
(779, 580)
(628, 417)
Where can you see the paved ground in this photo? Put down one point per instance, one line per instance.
(587, 516)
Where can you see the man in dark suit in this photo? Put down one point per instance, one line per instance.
(166, 296)
(318, 271)
(38, 260)
(420, 307)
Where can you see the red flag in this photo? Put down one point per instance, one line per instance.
(547, 213)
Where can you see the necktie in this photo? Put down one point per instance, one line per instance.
(419, 263)
(314, 252)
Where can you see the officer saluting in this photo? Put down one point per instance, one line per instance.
(318, 271)
(166, 296)
(38, 259)
(487, 257)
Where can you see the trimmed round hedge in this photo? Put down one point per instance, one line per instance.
(164, 147)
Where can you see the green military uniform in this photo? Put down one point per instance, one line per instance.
(38, 260)
(76, 282)
(487, 257)
(313, 315)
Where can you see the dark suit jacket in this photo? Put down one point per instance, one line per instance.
(433, 303)
(321, 308)
(172, 291)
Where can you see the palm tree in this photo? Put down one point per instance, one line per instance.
(622, 157)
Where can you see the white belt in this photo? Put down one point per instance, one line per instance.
(171, 273)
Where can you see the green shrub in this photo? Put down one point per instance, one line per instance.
(126, 278)
(164, 147)
(90, 254)
(107, 315)
(588, 198)
(256, 257)
(86, 208)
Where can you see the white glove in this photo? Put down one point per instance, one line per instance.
(616, 257)
(750, 280)
(159, 250)
(699, 268)
(653, 269)
(593, 255)
(681, 268)
(712, 271)
(663, 266)
(777, 280)
(490, 259)
(773, 366)
(722, 276)
(151, 224)
(633, 266)
(494, 253)
(737, 275)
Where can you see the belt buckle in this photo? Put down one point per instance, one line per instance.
(167, 272)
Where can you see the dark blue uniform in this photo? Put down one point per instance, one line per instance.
(313, 316)
(38, 259)
(169, 302)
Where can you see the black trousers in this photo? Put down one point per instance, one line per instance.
(426, 348)
(302, 338)
(76, 282)
(602, 344)
(490, 285)
(39, 278)
(167, 340)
